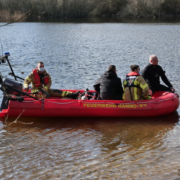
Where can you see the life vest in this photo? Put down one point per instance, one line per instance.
(130, 81)
(37, 80)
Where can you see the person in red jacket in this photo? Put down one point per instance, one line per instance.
(41, 83)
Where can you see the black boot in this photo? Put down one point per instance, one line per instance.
(75, 95)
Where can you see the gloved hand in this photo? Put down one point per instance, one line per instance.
(149, 97)
(150, 92)
(43, 89)
(46, 94)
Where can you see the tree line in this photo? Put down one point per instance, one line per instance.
(91, 8)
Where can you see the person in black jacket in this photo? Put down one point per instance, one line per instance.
(152, 73)
(109, 85)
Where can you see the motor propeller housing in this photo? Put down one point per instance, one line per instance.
(11, 86)
(1, 78)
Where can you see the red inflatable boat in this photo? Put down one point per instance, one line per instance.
(162, 103)
(16, 102)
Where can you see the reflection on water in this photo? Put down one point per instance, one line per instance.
(91, 148)
(102, 20)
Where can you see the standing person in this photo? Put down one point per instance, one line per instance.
(152, 73)
(109, 85)
(135, 87)
(41, 83)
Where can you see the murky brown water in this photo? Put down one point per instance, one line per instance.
(91, 148)
(76, 54)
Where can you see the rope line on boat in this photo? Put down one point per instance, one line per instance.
(52, 102)
(61, 103)
(90, 102)
(176, 95)
(164, 100)
(147, 102)
(168, 99)
(29, 101)
(153, 102)
(121, 103)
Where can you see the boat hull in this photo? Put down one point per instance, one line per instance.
(161, 104)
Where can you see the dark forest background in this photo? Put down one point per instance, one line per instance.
(90, 8)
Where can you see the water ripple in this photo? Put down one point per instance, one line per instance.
(90, 148)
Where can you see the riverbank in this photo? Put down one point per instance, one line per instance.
(94, 20)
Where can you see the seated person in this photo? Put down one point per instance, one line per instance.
(109, 85)
(135, 87)
(41, 83)
(152, 73)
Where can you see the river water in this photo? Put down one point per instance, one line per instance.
(76, 54)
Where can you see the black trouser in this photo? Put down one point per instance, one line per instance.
(4, 104)
(55, 93)
(160, 87)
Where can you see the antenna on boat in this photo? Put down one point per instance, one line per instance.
(3, 59)
(2, 48)
(6, 57)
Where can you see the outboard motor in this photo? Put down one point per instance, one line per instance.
(12, 89)
(11, 86)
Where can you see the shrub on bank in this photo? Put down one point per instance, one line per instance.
(91, 8)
